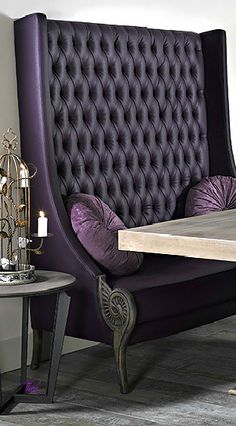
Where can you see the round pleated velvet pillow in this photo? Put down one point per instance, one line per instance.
(212, 194)
(96, 227)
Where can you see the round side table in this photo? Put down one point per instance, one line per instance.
(46, 282)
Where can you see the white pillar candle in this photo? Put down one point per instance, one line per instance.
(24, 176)
(42, 225)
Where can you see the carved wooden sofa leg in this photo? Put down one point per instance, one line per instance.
(37, 349)
(119, 312)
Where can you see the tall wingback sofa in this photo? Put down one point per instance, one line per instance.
(135, 116)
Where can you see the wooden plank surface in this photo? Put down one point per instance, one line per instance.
(182, 380)
(211, 236)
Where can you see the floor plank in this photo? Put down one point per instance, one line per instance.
(179, 380)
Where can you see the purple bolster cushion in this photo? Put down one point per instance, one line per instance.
(96, 227)
(212, 194)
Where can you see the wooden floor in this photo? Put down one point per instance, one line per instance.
(180, 380)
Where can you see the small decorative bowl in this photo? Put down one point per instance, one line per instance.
(24, 275)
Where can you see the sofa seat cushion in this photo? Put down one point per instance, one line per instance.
(171, 285)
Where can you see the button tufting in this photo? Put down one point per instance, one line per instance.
(178, 93)
(201, 137)
(172, 72)
(133, 139)
(161, 115)
(174, 116)
(117, 46)
(114, 118)
(103, 45)
(195, 114)
(159, 71)
(136, 71)
(100, 118)
(138, 116)
(144, 94)
(123, 69)
(59, 42)
(131, 93)
(148, 71)
(130, 47)
(199, 93)
(165, 48)
(154, 48)
(155, 92)
(186, 47)
(190, 136)
(85, 117)
(176, 48)
(118, 93)
(112, 70)
(141, 46)
(126, 116)
(90, 44)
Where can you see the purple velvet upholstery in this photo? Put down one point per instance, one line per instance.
(165, 309)
(212, 194)
(130, 115)
(162, 296)
(96, 227)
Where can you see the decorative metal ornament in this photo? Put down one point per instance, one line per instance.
(15, 249)
(3, 181)
(119, 311)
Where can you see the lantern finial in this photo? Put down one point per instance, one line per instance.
(9, 141)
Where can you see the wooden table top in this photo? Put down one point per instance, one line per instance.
(46, 282)
(212, 236)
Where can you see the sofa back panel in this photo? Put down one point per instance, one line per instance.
(128, 114)
(216, 95)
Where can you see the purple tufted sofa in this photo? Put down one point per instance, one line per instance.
(135, 116)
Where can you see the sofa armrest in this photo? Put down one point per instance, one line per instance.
(63, 252)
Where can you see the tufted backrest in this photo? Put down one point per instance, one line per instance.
(129, 117)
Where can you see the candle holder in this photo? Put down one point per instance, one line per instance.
(37, 250)
(15, 178)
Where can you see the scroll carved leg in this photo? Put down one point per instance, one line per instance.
(119, 312)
